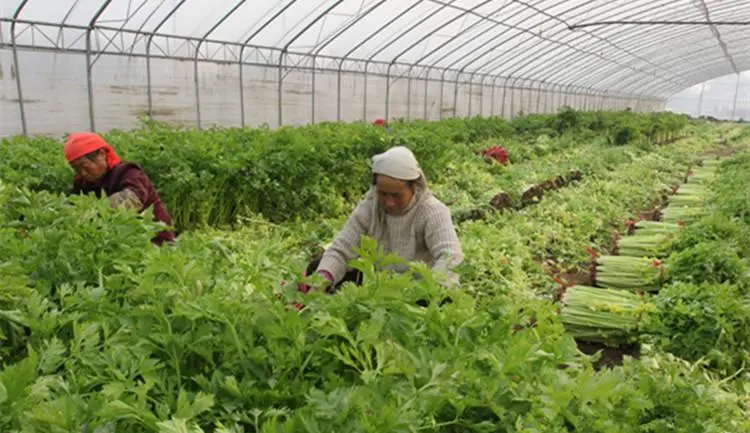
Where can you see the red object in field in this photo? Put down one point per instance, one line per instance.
(379, 122)
(497, 153)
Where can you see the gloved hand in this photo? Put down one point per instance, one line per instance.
(327, 285)
(304, 288)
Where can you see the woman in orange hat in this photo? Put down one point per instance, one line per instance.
(98, 168)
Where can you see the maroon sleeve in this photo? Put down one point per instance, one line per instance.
(137, 181)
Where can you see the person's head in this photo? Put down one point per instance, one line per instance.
(380, 122)
(396, 177)
(89, 155)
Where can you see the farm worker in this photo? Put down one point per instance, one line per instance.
(98, 168)
(403, 216)
(497, 153)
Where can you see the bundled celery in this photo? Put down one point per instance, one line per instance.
(649, 228)
(629, 273)
(641, 245)
(602, 315)
(703, 175)
(682, 214)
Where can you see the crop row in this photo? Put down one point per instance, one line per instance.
(211, 177)
(101, 329)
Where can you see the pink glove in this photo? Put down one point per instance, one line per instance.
(304, 288)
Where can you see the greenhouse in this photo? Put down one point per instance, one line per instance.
(445, 216)
(90, 64)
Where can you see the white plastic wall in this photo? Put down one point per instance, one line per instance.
(716, 98)
(55, 94)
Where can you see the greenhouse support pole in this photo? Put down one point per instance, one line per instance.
(19, 88)
(539, 98)
(530, 99)
(570, 97)
(513, 111)
(591, 99)
(338, 92)
(512, 92)
(556, 98)
(565, 96)
(541, 105)
(736, 93)
(241, 57)
(576, 99)
(430, 34)
(197, 53)
(312, 94)
(469, 100)
(442, 94)
(426, 90)
(408, 97)
(455, 92)
(700, 100)
(364, 97)
(280, 89)
(320, 48)
(285, 51)
(585, 99)
(89, 66)
(481, 99)
(471, 93)
(148, 56)
(388, 90)
(597, 99)
(481, 94)
(549, 100)
(505, 95)
(383, 47)
(559, 99)
(492, 96)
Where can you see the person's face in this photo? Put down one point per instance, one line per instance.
(91, 167)
(393, 194)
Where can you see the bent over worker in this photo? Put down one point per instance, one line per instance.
(403, 216)
(98, 168)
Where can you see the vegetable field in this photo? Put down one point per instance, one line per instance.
(605, 233)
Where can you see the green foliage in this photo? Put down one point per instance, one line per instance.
(100, 328)
(214, 176)
(201, 341)
(704, 321)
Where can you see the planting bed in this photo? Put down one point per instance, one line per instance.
(100, 329)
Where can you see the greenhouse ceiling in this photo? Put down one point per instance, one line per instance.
(645, 47)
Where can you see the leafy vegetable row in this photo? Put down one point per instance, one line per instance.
(211, 177)
(701, 307)
(101, 329)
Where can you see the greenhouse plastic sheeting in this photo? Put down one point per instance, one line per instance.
(101, 63)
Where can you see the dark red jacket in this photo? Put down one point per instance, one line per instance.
(127, 175)
(499, 154)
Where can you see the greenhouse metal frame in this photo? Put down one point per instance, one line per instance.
(501, 57)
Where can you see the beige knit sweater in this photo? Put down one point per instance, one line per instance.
(423, 233)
